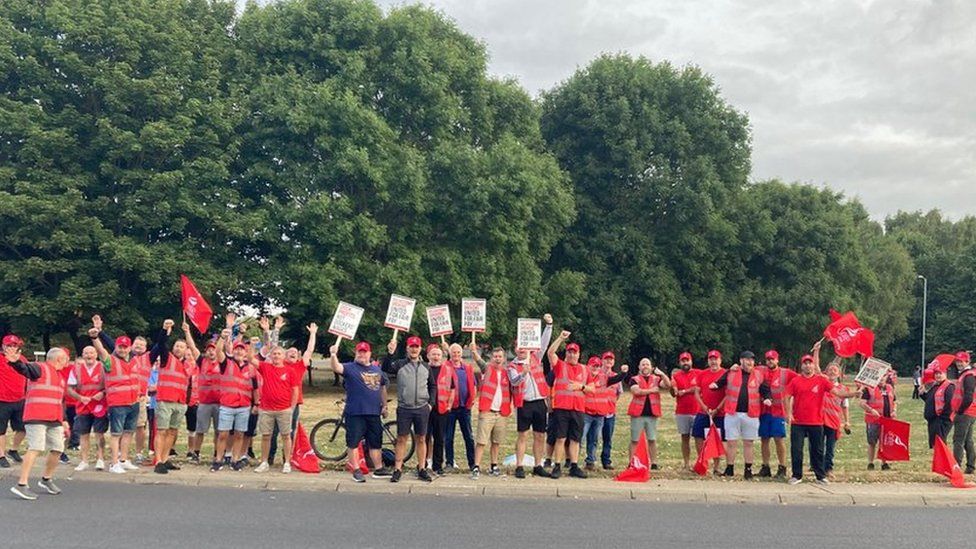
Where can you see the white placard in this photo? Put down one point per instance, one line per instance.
(346, 320)
(400, 313)
(474, 314)
(529, 334)
(439, 320)
(872, 372)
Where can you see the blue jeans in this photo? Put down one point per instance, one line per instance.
(608, 424)
(462, 417)
(592, 428)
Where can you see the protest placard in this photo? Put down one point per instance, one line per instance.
(346, 320)
(439, 320)
(872, 372)
(529, 334)
(474, 314)
(399, 314)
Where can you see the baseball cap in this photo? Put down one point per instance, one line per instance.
(806, 358)
(684, 355)
(714, 354)
(572, 347)
(928, 376)
(123, 341)
(413, 341)
(12, 340)
(363, 346)
(609, 354)
(772, 355)
(241, 345)
(961, 355)
(594, 361)
(747, 354)
(209, 345)
(431, 347)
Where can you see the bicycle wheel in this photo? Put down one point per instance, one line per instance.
(328, 440)
(389, 440)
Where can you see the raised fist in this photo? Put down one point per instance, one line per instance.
(624, 369)
(230, 319)
(168, 324)
(313, 328)
(97, 322)
(565, 334)
(93, 333)
(225, 333)
(334, 349)
(547, 318)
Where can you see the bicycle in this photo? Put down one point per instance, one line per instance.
(328, 438)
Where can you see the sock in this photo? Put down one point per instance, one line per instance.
(494, 466)
(46, 479)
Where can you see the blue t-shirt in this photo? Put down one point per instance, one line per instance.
(363, 396)
(462, 376)
(153, 380)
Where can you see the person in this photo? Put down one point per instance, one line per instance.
(877, 402)
(804, 404)
(365, 404)
(415, 387)
(686, 403)
(916, 383)
(836, 417)
(568, 403)
(70, 405)
(460, 415)
(208, 391)
(151, 384)
(238, 395)
(43, 417)
(121, 395)
(299, 363)
(193, 442)
(772, 418)
(746, 391)
(645, 407)
(711, 403)
(445, 382)
(938, 409)
(279, 396)
(86, 384)
(12, 391)
(494, 406)
(176, 364)
(964, 406)
(527, 374)
(610, 420)
(960, 363)
(598, 402)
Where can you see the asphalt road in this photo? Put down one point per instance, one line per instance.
(105, 515)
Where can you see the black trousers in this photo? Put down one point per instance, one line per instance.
(938, 427)
(435, 437)
(813, 433)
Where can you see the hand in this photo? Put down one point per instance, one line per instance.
(334, 350)
(713, 386)
(711, 413)
(84, 399)
(230, 319)
(733, 368)
(98, 396)
(254, 410)
(93, 333)
(875, 413)
(168, 325)
(312, 328)
(624, 369)
(97, 322)
(789, 419)
(225, 333)
(383, 412)
(547, 318)
(816, 346)
(767, 402)
(658, 372)
(391, 346)
(243, 328)
(473, 347)
(186, 328)
(564, 335)
(264, 324)
(279, 322)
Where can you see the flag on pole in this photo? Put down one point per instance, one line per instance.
(197, 309)
(639, 469)
(713, 448)
(894, 437)
(944, 463)
(848, 336)
(303, 456)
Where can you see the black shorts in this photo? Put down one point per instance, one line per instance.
(191, 419)
(532, 415)
(567, 424)
(413, 420)
(87, 423)
(12, 413)
(252, 425)
(358, 427)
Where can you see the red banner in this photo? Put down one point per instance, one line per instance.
(893, 443)
(303, 457)
(848, 336)
(197, 309)
(713, 448)
(640, 467)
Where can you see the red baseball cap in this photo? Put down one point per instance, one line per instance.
(609, 354)
(123, 341)
(572, 347)
(961, 355)
(413, 341)
(685, 355)
(10, 340)
(772, 355)
(714, 354)
(806, 358)
(241, 345)
(432, 346)
(209, 345)
(594, 361)
(363, 346)
(928, 376)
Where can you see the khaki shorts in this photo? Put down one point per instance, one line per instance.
(267, 420)
(42, 438)
(170, 415)
(143, 418)
(490, 425)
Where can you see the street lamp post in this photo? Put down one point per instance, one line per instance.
(925, 300)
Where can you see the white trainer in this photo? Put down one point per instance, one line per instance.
(99, 465)
(117, 469)
(83, 466)
(128, 466)
(286, 468)
(262, 467)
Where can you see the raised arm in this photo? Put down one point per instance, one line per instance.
(334, 357)
(546, 330)
(190, 344)
(551, 352)
(816, 356)
(313, 329)
(103, 353)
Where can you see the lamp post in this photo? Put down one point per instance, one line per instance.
(925, 299)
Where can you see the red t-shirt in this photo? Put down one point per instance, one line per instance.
(808, 398)
(298, 367)
(712, 397)
(13, 386)
(685, 404)
(277, 387)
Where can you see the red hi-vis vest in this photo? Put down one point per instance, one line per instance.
(469, 382)
(44, 400)
(875, 402)
(489, 385)
(636, 407)
(601, 401)
(940, 399)
(172, 382)
(446, 380)
(193, 395)
(733, 385)
(534, 370)
(121, 383)
(207, 382)
(833, 411)
(235, 385)
(89, 386)
(563, 398)
(142, 369)
(957, 395)
(777, 389)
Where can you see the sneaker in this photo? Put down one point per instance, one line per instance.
(424, 475)
(781, 471)
(970, 470)
(172, 466)
(547, 463)
(608, 467)
(556, 472)
(654, 467)
(81, 466)
(161, 468)
(245, 462)
(23, 492)
(216, 466)
(15, 455)
(885, 467)
(589, 467)
(539, 471)
(519, 472)
(495, 471)
(262, 467)
(128, 466)
(870, 467)
(117, 469)
(822, 481)
(729, 471)
(764, 472)
(99, 465)
(4, 463)
(64, 459)
(172, 452)
(240, 465)
(193, 458)
(576, 472)
(226, 460)
(395, 477)
(439, 472)
(286, 468)
(748, 474)
(475, 472)
(794, 481)
(49, 486)
(357, 476)
(382, 472)
(139, 459)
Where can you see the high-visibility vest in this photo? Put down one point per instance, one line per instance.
(90, 385)
(65, 373)
(469, 382)
(44, 400)
(142, 369)
(489, 386)
(121, 383)
(172, 383)
(534, 370)
(236, 385)
(446, 380)
(636, 407)
(778, 380)
(957, 395)
(208, 381)
(876, 399)
(733, 385)
(940, 399)
(601, 401)
(833, 411)
(563, 398)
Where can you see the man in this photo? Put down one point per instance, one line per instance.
(836, 417)
(964, 406)
(745, 392)
(877, 402)
(86, 384)
(415, 385)
(916, 383)
(686, 403)
(176, 365)
(610, 420)
(494, 405)
(599, 402)
(43, 417)
(711, 403)
(299, 365)
(958, 365)
(445, 382)
(365, 405)
(279, 396)
(568, 403)
(772, 419)
(70, 403)
(460, 414)
(238, 396)
(645, 407)
(527, 375)
(208, 391)
(938, 409)
(12, 390)
(122, 397)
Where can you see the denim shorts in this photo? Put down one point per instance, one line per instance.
(122, 419)
(233, 419)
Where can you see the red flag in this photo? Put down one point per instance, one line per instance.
(944, 463)
(303, 457)
(713, 448)
(360, 459)
(893, 442)
(834, 315)
(196, 308)
(942, 362)
(849, 337)
(639, 469)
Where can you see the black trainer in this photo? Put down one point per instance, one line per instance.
(576, 472)
(239, 465)
(424, 475)
(885, 467)
(161, 468)
(556, 471)
(519, 472)
(608, 467)
(654, 467)
(870, 467)
(729, 471)
(395, 477)
(4, 464)
(15, 455)
(748, 473)
(539, 471)
(172, 466)
(781, 471)
(216, 466)
(764, 472)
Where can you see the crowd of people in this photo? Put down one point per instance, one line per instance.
(238, 387)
